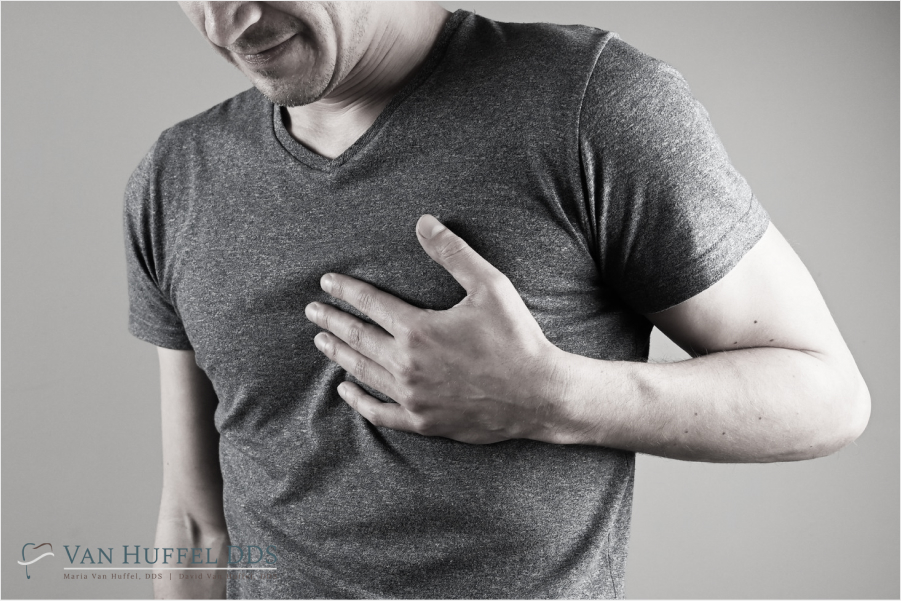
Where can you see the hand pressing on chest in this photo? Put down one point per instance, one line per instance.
(479, 372)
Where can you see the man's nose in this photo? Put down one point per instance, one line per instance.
(224, 22)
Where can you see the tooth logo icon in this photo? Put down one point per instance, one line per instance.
(38, 558)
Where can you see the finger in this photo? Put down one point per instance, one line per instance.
(455, 255)
(364, 337)
(384, 309)
(359, 366)
(386, 415)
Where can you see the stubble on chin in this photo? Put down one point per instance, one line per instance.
(294, 93)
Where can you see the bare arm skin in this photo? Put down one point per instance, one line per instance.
(772, 379)
(191, 511)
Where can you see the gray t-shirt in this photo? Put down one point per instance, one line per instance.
(581, 168)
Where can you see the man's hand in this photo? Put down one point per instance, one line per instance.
(474, 373)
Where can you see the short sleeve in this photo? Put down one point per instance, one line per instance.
(152, 316)
(670, 216)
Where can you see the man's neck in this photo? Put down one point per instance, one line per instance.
(399, 46)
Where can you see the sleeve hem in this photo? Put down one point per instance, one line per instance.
(704, 271)
(157, 337)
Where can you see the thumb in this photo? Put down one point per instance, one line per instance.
(454, 254)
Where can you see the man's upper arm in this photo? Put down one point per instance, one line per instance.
(192, 480)
(769, 299)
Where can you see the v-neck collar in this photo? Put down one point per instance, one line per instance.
(321, 163)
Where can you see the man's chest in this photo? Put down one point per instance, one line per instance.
(251, 252)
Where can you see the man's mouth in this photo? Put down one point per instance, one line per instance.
(267, 55)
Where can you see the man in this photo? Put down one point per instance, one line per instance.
(485, 445)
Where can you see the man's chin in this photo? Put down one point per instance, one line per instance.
(290, 96)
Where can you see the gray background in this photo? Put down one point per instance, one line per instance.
(805, 98)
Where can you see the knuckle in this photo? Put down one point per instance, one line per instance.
(355, 336)
(453, 247)
(414, 336)
(361, 369)
(388, 319)
(403, 368)
(364, 301)
(337, 288)
(407, 371)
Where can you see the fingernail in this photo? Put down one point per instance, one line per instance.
(311, 310)
(326, 282)
(342, 389)
(319, 340)
(429, 227)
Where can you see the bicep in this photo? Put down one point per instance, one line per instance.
(768, 300)
(192, 480)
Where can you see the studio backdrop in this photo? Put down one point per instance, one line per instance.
(805, 99)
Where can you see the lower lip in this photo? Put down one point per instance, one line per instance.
(267, 56)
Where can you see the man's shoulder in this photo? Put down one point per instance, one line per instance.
(554, 57)
(540, 38)
(184, 150)
(232, 114)
(229, 120)
(602, 53)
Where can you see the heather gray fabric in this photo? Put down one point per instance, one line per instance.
(581, 168)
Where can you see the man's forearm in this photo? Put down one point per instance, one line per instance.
(177, 530)
(750, 405)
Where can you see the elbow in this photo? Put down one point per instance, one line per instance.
(850, 415)
(859, 410)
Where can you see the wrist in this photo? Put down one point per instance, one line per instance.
(575, 399)
(553, 387)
